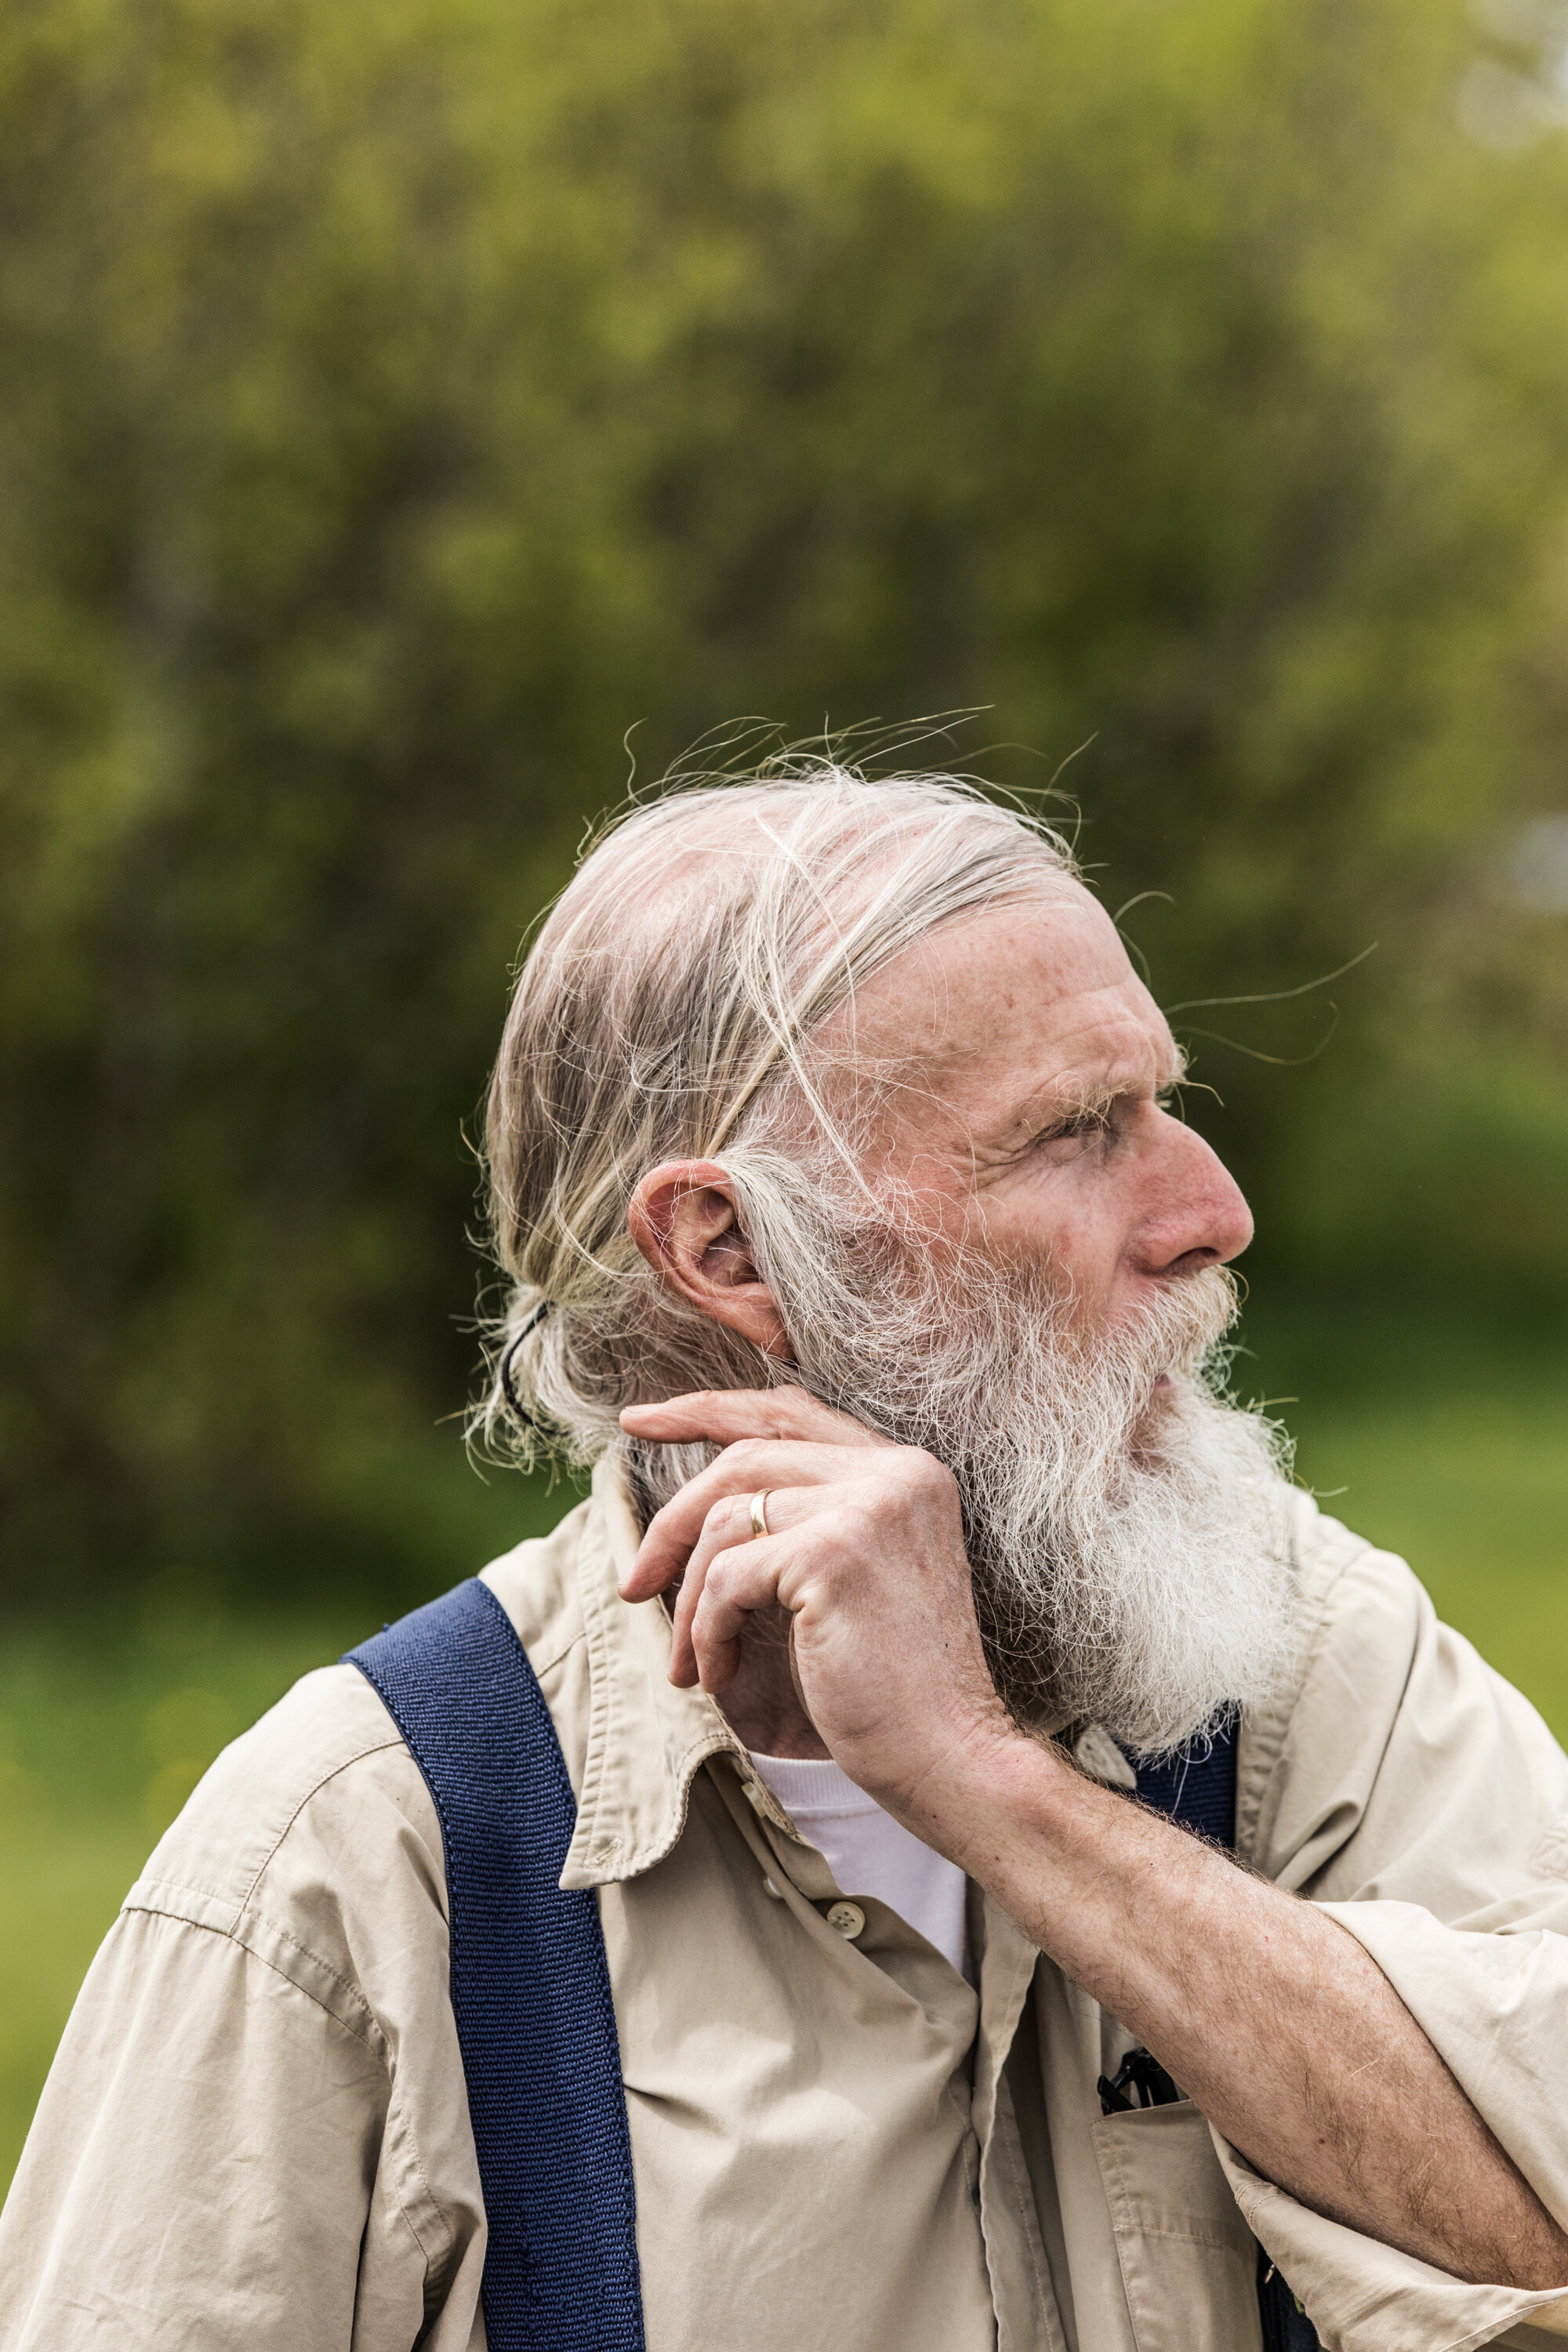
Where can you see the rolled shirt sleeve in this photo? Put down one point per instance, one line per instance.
(1422, 1802)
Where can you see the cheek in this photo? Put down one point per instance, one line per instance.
(1078, 1229)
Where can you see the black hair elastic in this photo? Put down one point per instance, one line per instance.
(518, 1412)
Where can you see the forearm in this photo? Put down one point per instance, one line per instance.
(1266, 2013)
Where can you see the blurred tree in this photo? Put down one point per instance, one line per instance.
(400, 401)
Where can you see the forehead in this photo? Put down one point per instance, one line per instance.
(1020, 1001)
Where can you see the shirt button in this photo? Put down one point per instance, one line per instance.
(776, 1891)
(848, 1918)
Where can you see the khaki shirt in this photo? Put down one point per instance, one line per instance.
(256, 2134)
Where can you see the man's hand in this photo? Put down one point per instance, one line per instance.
(865, 1552)
(1274, 2020)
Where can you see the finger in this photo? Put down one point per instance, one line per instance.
(741, 1469)
(739, 1582)
(724, 1417)
(727, 1527)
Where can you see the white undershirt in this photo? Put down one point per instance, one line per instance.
(870, 1853)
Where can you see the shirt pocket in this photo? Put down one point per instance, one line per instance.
(1189, 2263)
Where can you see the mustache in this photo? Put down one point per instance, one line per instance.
(897, 1335)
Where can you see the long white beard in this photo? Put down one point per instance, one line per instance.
(1128, 1541)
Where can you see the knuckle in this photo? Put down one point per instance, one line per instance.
(719, 1584)
(927, 1475)
(848, 1538)
(704, 1606)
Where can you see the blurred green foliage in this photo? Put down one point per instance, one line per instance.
(398, 401)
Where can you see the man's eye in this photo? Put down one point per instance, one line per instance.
(1084, 1127)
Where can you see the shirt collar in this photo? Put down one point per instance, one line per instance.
(646, 1739)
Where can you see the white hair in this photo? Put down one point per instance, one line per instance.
(671, 1008)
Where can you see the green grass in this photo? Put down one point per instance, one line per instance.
(101, 1739)
(1449, 1449)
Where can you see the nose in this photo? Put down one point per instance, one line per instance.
(1196, 1214)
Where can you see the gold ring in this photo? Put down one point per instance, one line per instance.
(760, 1513)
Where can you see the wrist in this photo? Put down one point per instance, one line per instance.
(990, 1781)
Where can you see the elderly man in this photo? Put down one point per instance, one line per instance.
(925, 1579)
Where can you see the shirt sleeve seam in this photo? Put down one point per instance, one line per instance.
(334, 1976)
(248, 1909)
(228, 1936)
(226, 1896)
(376, 1748)
(434, 2263)
(231, 1934)
(439, 2265)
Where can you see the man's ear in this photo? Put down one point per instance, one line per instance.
(684, 1220)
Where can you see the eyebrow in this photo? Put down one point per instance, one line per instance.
(1072, 1093)
(1077, 1095)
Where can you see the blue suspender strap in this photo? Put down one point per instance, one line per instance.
(530, 1986)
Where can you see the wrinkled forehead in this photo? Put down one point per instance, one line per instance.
(1034, 995)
